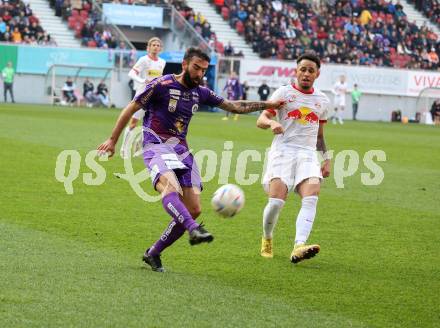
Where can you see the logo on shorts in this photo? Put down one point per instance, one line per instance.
(195, 107)
(303, 115)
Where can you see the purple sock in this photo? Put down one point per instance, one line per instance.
(173, 232)
(177, 210)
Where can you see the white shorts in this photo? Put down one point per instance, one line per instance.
(291, 167)
(339, 101)
(139, 115)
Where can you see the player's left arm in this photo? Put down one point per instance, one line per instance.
(321, 147)
(243, 107)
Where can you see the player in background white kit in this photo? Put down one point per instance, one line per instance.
(292, 160)
(339, 91)
(145, 70)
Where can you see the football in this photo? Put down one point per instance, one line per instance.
(228, 200)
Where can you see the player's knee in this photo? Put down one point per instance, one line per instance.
(309, 187)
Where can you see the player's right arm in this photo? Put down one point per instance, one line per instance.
(141, 101)
(108, 146)
(137, 68)
(266, 121)
(266, 118)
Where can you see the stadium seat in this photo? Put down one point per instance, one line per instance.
(239, 27)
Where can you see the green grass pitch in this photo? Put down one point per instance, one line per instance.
(75, 260)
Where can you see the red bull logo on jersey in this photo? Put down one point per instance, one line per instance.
(303, 115)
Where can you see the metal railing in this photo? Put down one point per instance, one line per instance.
(183, 30)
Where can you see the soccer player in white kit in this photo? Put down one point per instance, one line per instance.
(145, 70)
(339, 91)
(292, 160)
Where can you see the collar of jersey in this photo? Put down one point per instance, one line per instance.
(305, 92)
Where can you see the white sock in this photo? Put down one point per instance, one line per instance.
(340, 112)
(304, 221)
(270, 216)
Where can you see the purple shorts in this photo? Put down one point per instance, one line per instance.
(162, 158)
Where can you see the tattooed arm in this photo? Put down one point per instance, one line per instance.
(321, 147)
(243, 107)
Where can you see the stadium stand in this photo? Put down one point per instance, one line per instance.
(200, 24)
(19, 25)
(430, 8)
(86, 21)
(362, 32)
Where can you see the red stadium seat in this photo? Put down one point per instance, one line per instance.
(75, 12)
(239, 27)
(91, 44)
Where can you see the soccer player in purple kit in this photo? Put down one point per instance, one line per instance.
(171, 101)
(234, 91)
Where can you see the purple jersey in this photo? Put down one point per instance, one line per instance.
(233, 89)
(171, 106)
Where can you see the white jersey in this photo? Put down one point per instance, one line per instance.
(148, 69)
(339, 90)
(299, 117)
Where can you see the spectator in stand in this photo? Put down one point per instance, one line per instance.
(358, 32)
(433, 57)
(2, 26)
(229, 50)
(16, 36)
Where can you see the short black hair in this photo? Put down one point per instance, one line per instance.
(196, 52)
(309, 56)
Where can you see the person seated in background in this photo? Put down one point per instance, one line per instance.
(69, 91)
(102, 94)
(435, 111)
(88, 94)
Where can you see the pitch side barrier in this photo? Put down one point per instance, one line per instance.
(384, 89)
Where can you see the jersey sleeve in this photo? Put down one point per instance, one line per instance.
(210, 98)
(149, 93)
(141, 65)
(277, 95)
